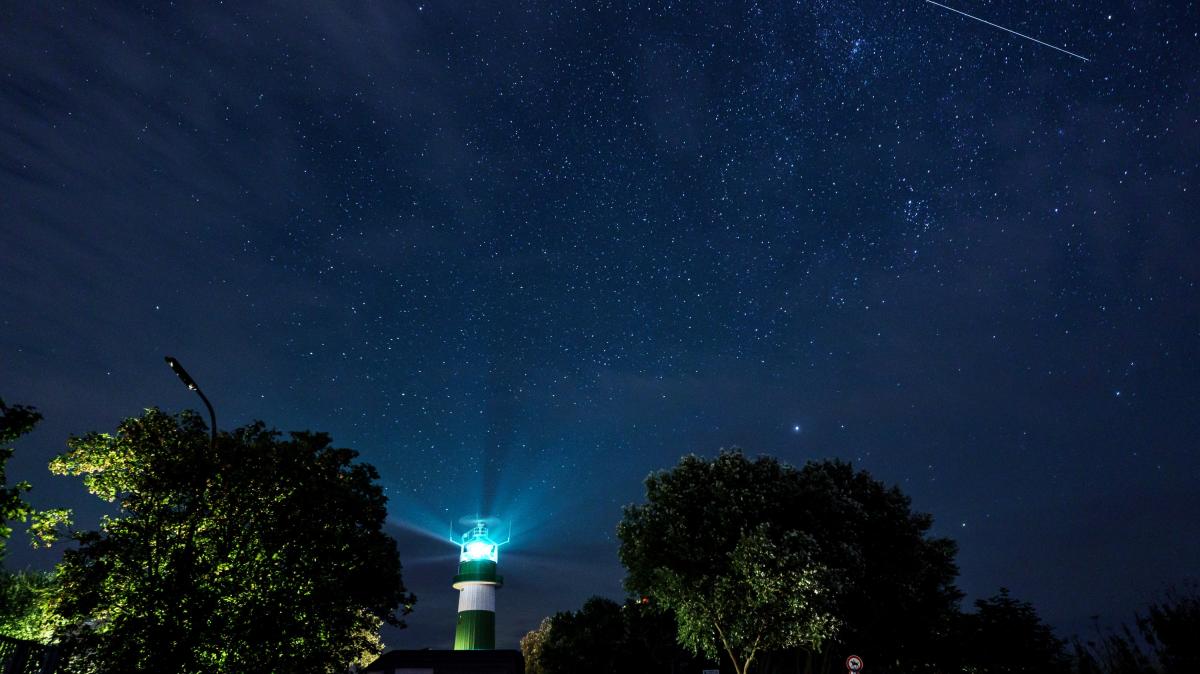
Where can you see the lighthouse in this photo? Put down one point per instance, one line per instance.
(476, 583)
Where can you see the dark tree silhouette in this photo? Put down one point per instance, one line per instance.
(589, 641)
(1006, 636)
(1163, 639)
(1172, 629)
(1112, 653)
(604, 637)
(15, 421)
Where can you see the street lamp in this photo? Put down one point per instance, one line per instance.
(191, 383)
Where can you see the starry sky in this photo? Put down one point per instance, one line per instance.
(520, 254)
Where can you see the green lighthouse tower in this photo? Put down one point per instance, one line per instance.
(476, 583)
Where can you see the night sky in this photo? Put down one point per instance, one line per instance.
(520, 254)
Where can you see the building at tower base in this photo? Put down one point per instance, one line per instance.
(448, 662)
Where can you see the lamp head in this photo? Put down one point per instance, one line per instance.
(478, 545)
(184, 377)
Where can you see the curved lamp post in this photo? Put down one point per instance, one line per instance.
(191, 383)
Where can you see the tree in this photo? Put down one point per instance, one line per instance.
(707, 546)
(15, 421)
(651, 638)
(1167, 630)
(531, 647)
(603, 637)
(588, 641)
(250, 553)
(1170, 628)
(24, 611)
(898, 599)
(727, 541)
(1006, 636)
(1115, 653)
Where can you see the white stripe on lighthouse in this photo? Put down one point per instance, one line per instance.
(479, 597)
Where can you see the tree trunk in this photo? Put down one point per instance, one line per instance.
(729, 651)
(737, 669)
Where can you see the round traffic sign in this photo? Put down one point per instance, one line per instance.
(854, 663)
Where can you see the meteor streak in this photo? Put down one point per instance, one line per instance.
(1047, 44)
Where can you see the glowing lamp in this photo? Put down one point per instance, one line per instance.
(478, 550)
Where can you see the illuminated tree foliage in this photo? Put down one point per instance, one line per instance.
(22, 610)
(532, 645)
(758, 556)
(709, 546)
(257, 554)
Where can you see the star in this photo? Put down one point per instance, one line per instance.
(496, 281)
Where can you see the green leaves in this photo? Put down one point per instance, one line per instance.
(24, 611)
(756, 554)
(152, 461)
(781, 587)
(47, 526)
(711, 544)
(256, 553)
(771, 596)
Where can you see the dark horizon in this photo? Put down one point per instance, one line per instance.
(521, 256)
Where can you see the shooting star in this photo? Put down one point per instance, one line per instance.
(1047, 44)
